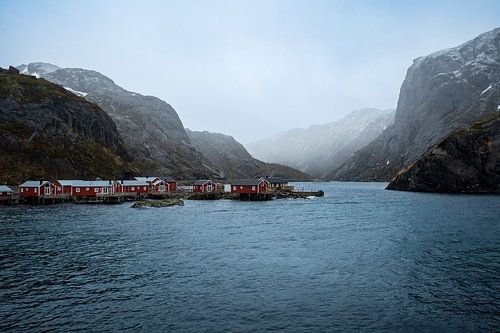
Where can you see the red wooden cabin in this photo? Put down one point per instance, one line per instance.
(5, 192)
(249, 186)
(94, 188)
(204, 186)
(37, 189)
(135, 186)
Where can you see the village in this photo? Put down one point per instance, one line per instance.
(148, 188)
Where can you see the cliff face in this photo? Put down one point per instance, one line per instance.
(320, 149)
(150, 127)
(231, 160)
(49, 132)
(441, 92)
(467, 161)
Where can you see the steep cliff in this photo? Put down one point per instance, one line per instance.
(232, 160)
(441, 92)
(48, 132)
(467, 161)
(150, 127)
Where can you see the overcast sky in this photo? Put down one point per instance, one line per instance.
(245, 68)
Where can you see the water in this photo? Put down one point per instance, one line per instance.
(359, 259)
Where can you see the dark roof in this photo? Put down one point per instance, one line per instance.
(201, 181)
(277, 180)
(246, 182)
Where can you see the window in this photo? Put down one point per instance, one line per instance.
(133, 188)
(96, 190)
(87, 189)
(144, 188)
(253, 188)
(58, 188)
(77, 189)
(36, 190)
(22, 189)
(241, 187)
(234, 188)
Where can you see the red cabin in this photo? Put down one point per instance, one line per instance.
(172, 185)
(64, 187)
(249, 186)
(204, 186)
(149, 180)
(159, 186)
(37, 189)
(5, 192)
(85, 188)
(135, 186)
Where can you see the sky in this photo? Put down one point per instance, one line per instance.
(249, 69)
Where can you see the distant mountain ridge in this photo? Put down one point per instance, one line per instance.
(441, 92)
(151, 129)
(153, 132)
(320, 149)
(232, 159)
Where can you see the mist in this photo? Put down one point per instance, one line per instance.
(248, 68)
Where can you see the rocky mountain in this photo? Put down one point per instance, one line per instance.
(320, 149)
(150, 127)
(232, 160)
(441, 92)
(47, 131)
(466, 161)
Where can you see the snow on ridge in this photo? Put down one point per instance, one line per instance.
(486, 90)
(78, 93)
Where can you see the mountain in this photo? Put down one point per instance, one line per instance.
(48, 132)
(320, 149)
(441, 92)
(233, 160)
(150, 127)
(466, 161)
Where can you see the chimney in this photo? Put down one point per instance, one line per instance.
(41, 182)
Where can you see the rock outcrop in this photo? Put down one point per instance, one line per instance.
(466, 161)
(150, 127)
(230, 159)
(441, 92)
(320, 149)
(46, 132)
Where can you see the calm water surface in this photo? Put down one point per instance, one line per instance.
(359, 259)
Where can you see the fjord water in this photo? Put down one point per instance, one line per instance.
(361, 258)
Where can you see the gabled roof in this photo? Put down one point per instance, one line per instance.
(158, 181)
(4, 188)
(64, 182)
(134, 183)
(202, 181)
(247, 182)
(146, 179)
(34, 183)
(91, 183)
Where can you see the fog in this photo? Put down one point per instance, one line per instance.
(245, 68)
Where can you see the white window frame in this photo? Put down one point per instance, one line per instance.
(77, 190)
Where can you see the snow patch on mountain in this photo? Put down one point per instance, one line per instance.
(76, 92)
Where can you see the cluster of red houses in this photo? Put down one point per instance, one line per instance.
(95, 188)
(137, 186)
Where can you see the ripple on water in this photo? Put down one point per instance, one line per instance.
(360, 258)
